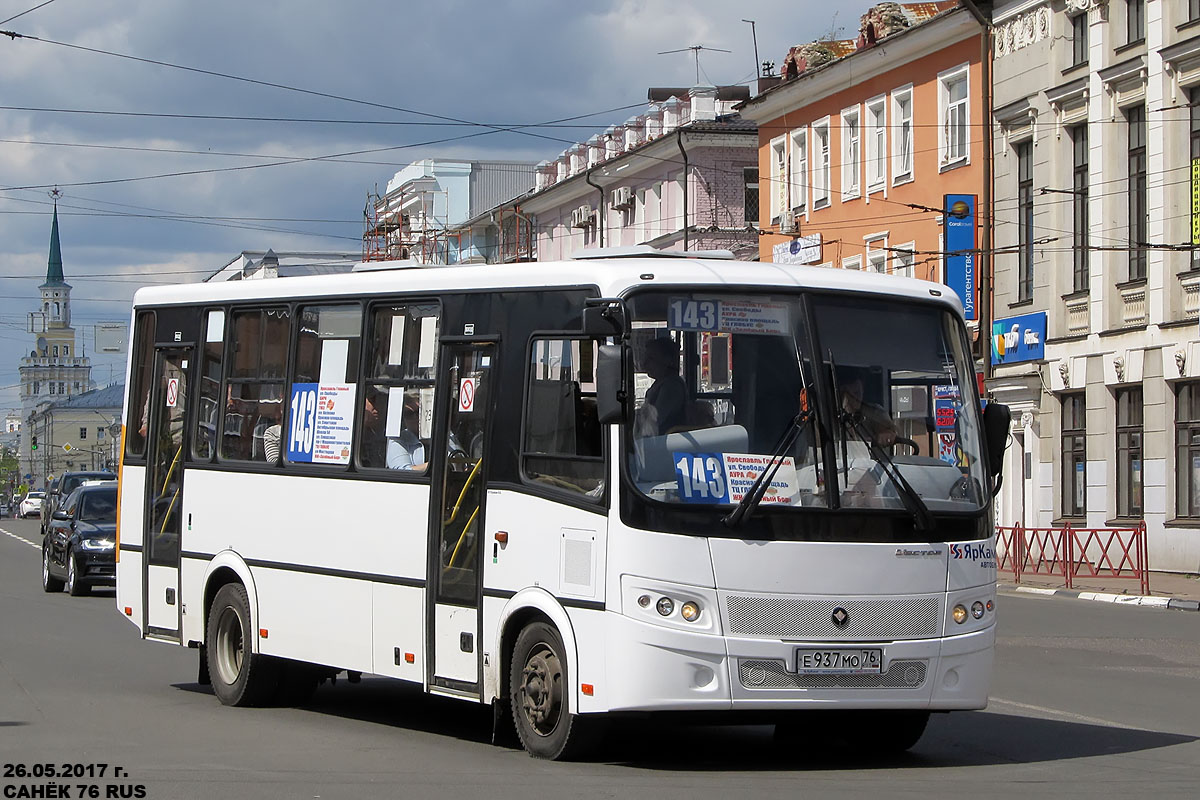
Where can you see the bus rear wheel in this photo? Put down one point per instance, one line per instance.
(541, 698)
(240, 677)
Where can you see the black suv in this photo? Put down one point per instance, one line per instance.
(79, 550)
(62, 486)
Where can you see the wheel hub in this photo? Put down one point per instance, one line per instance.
(541, 690)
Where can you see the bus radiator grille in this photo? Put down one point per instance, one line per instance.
(771, 674)
(804, 618)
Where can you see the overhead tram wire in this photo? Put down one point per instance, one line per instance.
(14, 35)
(28, 11)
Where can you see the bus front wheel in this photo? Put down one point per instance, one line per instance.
(240, 677)
(541, 697)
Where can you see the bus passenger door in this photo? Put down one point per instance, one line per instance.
(164, 493)
(460, 475)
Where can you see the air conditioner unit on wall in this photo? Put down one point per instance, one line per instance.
(622, 197)
(787, 222)
(581, 217)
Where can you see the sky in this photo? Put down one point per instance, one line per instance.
(327, 100)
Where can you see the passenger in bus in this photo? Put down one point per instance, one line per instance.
(373, 448)
(666, 399)
(875, 421)
(407, 451)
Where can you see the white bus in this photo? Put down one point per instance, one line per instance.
(533, 486)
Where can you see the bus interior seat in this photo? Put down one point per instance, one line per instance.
(656, 453)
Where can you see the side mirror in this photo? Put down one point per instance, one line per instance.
(60, 514)
(604, 317)
(996, 421)
(610, 383)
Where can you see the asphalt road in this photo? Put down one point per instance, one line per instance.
(1090, 700)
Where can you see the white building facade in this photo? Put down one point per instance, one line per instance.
(1097, 281)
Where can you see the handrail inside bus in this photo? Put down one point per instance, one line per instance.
(462, 537)
(463, 493)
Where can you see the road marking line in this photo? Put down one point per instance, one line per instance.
(1054, 712)
(1035, 590)
(20, 538)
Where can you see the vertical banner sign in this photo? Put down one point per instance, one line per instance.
(960, 244)
(1195, 205)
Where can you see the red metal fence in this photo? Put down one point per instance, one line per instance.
(1070, 553)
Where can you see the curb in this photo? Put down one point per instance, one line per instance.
(1178, 603)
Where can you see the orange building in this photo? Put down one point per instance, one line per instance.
(861, 140)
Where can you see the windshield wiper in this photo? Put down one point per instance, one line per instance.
(923, 520)
(758, 489)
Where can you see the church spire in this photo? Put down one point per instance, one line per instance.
(54, 268)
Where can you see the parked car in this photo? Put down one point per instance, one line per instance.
(79, 550)
(63, 485)
(31, 505)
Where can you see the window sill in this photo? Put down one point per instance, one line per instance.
(1021, 303)
(1189, 25)
(1125, 48)
(822, 203)
(1133, 283)
(962, 162)
(1076, 521)
(1079, 295)
(1123, 522)
(846, 198)
(900, 180)
(1182, 522)
(1082, 65)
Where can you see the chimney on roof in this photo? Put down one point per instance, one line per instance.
(704, 102)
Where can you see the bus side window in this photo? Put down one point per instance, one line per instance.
(563, 447)
(328, 343)
(204, 440)
(138, 413)
(253, 394)
(395, 413)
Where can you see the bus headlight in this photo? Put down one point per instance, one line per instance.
(960, 613)
(665, 606)
(977, 609)
(690, 611)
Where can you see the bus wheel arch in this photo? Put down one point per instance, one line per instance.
(537, 647)
(228, 567)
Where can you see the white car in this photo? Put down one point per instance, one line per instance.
(31, 506)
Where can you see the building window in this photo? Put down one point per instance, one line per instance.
(51, 387)
(954, 117)
(876, 144)
(1025, 221)
(1187, 450)
(55, 351)
(82, 433)
(779, 189)
(851, 153)
(99, 433)
(750, 179)
(1074, 456)
(1136, 117)
(821, 159)
(1079, 200)
(1193, 9)
(902, 136)
(903, 260)
(877, 254)
(66, 349)
(1129, 452)
(1079, 39)
(1135, 20)
(853, 262)
(799, 183)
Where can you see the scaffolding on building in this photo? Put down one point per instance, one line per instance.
(403, 226)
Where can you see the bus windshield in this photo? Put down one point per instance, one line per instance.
(882, 391)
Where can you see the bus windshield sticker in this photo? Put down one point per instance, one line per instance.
(334, 355)
(396, 345)
(394, 423)
(319, 423)
(726, 477)
(216, 326)
(728, 316)
(425, 357)
(946, 402)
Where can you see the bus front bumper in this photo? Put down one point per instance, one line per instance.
(655, 668)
